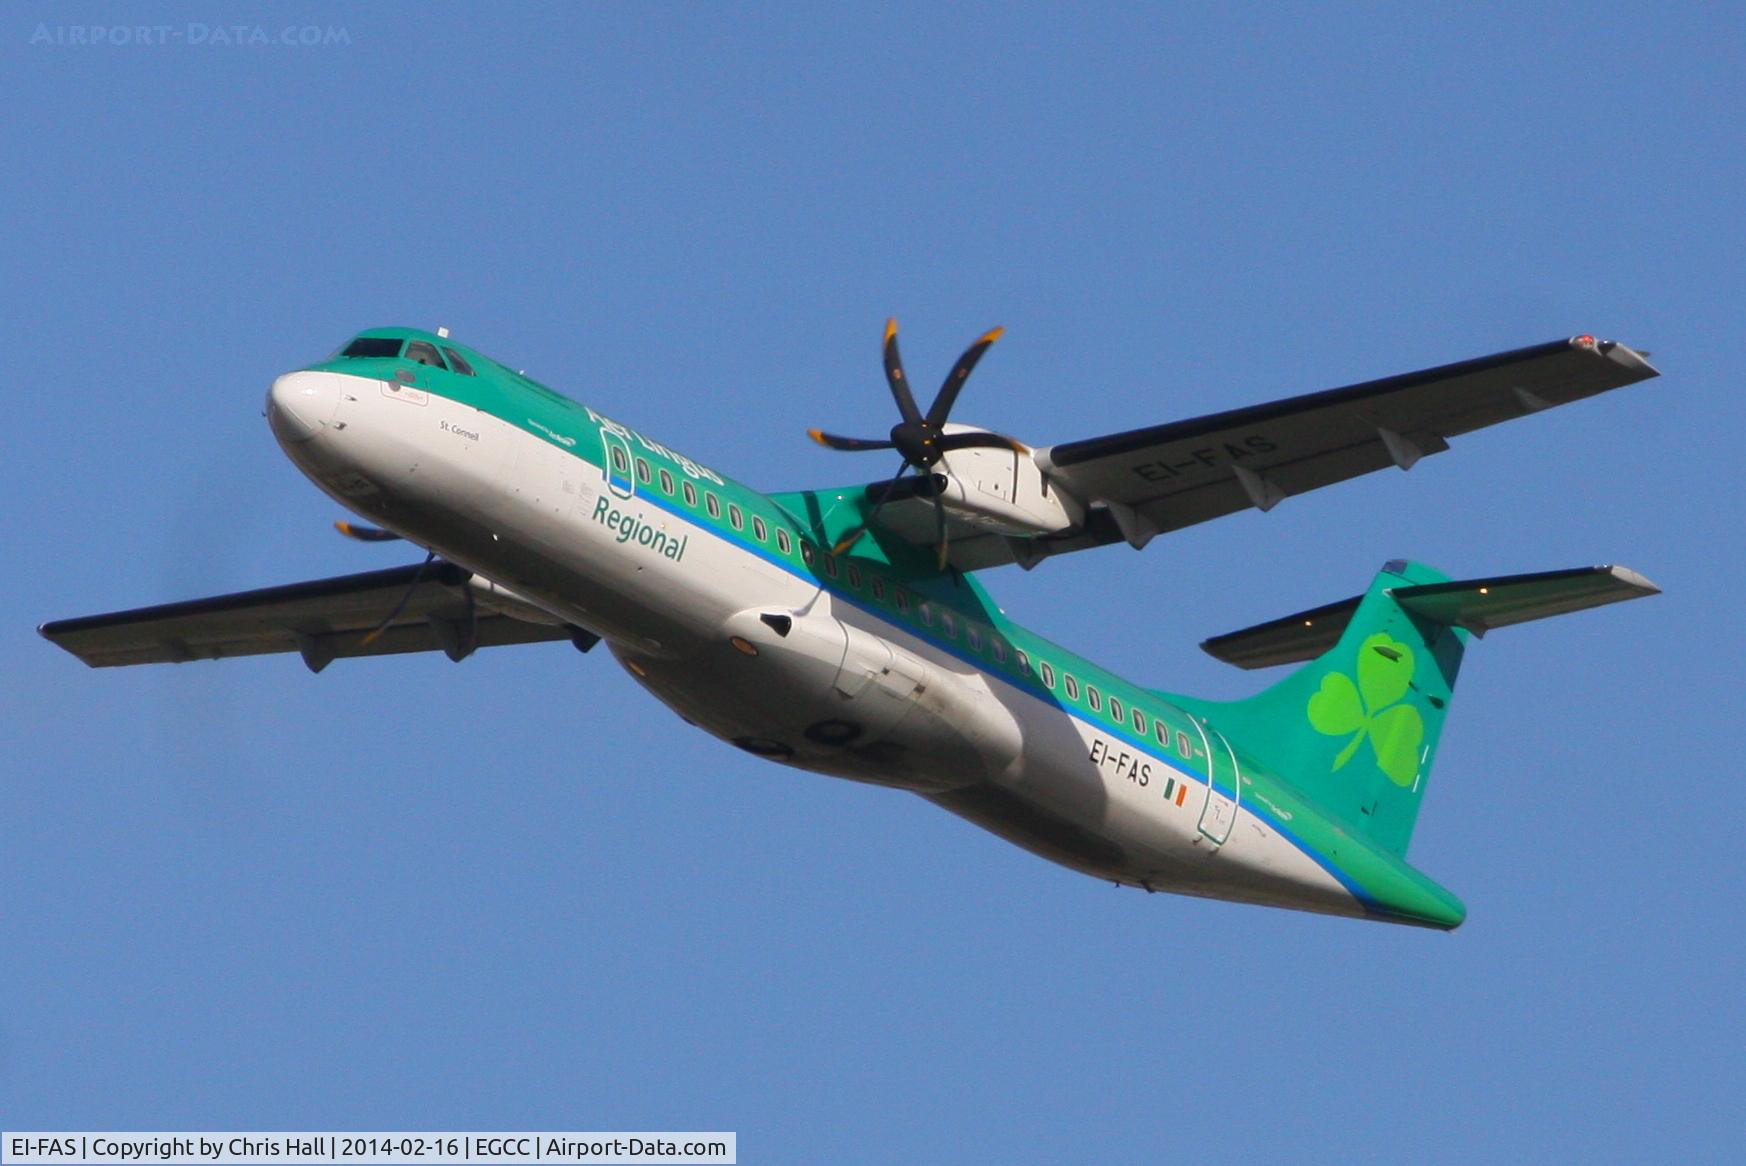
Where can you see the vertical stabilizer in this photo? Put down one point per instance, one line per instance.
(1356, 728)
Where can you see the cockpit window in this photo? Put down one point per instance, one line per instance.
(374, 346)
(424, 353)
(458, 362)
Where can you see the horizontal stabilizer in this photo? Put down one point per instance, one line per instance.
(1477, 605)
(1482, 604)
(1294, 638)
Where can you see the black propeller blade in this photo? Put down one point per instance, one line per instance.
(417, 578)
(920, 437)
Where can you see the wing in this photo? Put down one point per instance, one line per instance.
(323, 620)
(1145, 482)
(1170, 476)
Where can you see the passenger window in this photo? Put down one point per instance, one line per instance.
(1115, 709)
(1092, 697)
(712, 504)
(902, 598)
(1182, 745)
(1048, 675)
(808, 555)
(1139, 722)
(1072, 687)
(999, 648)
(666, 483)
(783, 542)
(854, 573)
(458, 362)
(642, 471)
(927, 613)
(422, 353)
(620, 461)
(974, 636)
(736, 516)
(947, 623)
(829, 564)
(1163, 733)
(878, 587)
(761, 531)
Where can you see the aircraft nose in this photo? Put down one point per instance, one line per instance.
(300, 405)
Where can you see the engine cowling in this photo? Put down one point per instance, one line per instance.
(1004, 491)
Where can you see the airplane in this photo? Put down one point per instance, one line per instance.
(846, 632)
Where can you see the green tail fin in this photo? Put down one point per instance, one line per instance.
(1356, 729)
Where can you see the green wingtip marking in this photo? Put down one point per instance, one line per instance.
(1370, 709)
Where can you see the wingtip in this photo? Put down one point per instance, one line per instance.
(1633, 579)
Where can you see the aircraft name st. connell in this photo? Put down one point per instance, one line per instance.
(845, 632)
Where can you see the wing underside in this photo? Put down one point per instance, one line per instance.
(1478, 605)
(1150, 481)
(433, 608)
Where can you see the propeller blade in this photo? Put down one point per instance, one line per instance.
(854, 535)
(894, 376)
(954, 441)
(417, 578)
(847, 444)
(954, 382)
(365, 534)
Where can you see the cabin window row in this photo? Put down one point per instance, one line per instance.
(712, 503)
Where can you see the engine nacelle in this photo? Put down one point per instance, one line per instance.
(1003, 490)
(494, 596)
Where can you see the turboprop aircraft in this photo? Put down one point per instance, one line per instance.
(844, 631)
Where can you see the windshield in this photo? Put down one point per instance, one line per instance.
(373, 346)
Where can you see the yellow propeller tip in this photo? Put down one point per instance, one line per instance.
(890, 328)
(992, 335)
(818, 436)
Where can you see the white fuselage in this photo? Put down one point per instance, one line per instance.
(757, 652)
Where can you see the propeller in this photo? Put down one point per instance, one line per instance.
(375, 534)
(387, 620)
(919, 437)
(364, 534)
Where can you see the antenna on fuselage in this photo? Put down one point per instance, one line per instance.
(443, 332)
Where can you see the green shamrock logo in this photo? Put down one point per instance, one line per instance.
(1369, 709)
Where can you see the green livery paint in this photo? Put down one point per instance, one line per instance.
(1369, 708)
(1357, 728)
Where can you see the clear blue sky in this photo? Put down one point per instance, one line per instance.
(518, 893)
